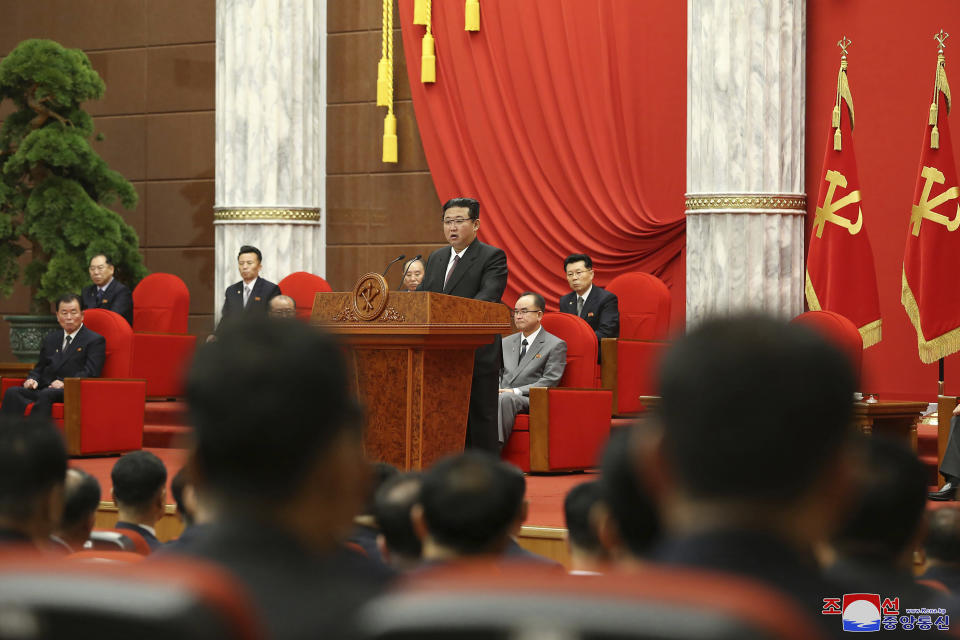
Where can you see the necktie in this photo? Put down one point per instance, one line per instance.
(579, 305)
(66, 345)
(246, 294)
(456, 261)
(99, 294)
(523, 348)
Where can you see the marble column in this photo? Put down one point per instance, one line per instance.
(745, 202)
(270, 137)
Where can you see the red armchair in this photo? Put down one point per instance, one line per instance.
(303, 287)
(839, 331)
(568, 425)
(629, 363)
(101, 415)
(162, 349)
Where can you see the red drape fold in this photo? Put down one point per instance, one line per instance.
(566, 120)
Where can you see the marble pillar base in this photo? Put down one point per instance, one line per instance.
(744, 261)
(286, 247)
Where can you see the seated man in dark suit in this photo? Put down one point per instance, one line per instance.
(595, 305)
(106, 292)
(398, 542)
(253, 293)
(139, 490)
(73, 351)
(81, 500)
(33, 466)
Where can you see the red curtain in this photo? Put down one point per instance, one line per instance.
(566, 119)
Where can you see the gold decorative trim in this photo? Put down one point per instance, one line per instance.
(392, 315)
(772, 202)
(266, 213)
(347, 314)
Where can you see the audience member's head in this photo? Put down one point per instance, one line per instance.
(470, 505)
(248, 263)
(33, 467)
(579, 270)
(461, 221)
(184, 496)
(291, 451)
(282, 307)
(756, 418)
(586, 551)
(886, 513)
(628, 520)
(139, 487)
(398, 542)
(80, 503)
(380, 472)
(528, 312)
(942, 544)
(413, 274)
(101, 269)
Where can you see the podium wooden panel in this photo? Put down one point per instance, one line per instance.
(413, 365)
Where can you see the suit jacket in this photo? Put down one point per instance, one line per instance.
(263, 291)
(599, 310)
(151, 539)
(542, 364)
(116, 298)
(481, 274)
(83, 359)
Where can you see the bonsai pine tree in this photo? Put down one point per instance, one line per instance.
(54, 188)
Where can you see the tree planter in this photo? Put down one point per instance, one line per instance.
(27, 333)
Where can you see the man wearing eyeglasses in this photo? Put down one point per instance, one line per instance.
(107, 292)
(595, 305)
(471, 269)
(532, 357)
(73, 351)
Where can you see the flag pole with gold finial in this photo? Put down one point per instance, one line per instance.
(843, 93)
(940, 85)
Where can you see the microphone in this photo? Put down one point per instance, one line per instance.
(391, 263)
(404, 276)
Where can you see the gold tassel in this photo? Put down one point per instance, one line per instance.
(428, 60)
(420, 12)
(933, 113)
(944, 85)
(935, 138)
(835, 121)
(836, 140)
(471, 16)
(390, 138)
(383, 84)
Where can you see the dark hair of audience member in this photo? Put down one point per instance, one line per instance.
(887, 510)
(255, 446)
(177, 485)
(250, 249)
(632, 509)
(576, 511)
(753, 408)
(67, 298)
(33, 460)
(380, 472)
(470, 501)
(942, 543)
(80, 499)
(391, 509)
(468, 203)
(578, 257)
(538, 302)
(137, 477)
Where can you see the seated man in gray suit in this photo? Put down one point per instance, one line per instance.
(531, 358)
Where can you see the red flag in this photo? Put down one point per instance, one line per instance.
(933, 243)
(840, 271)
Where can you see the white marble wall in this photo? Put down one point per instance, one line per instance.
(745, 135)
(270, 133)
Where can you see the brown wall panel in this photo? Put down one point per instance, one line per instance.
(194, 266)
(180, 21)
(352, 67)
(355, 135)
(124, 144)
(355, 15)
(124, 72)
(83, 24)
(345, 264)
(138, 217)
(382, 208)
(180, 145)
(182, 77)
(181, 213)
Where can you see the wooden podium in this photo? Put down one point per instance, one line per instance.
(412, 355)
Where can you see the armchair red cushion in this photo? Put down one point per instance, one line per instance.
(162, 349)
(303, 287)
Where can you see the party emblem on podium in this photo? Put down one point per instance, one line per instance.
(370, 296)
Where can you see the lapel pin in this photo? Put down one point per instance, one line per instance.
(79, 348)
(539, 355)
(257, 298)
(104, 301)
(590, 315)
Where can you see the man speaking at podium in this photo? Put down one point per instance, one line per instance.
(472, 269)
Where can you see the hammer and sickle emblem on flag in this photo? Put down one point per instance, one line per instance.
(827, 213)
(925, 208)
(369, 295)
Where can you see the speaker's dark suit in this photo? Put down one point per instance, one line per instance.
(481, 275)
(116, 298)
(263, 291)
(82, 359)
(599, 311)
